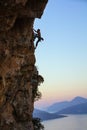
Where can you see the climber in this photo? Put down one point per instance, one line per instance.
(37, 34)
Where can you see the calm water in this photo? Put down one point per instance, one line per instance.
(72, 122)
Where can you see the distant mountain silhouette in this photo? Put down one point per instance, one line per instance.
(78, 100)
(76, 109)
(56, 107)
(45, 115)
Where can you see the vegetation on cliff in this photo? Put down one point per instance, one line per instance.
(36, 95)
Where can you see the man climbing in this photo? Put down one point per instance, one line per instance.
(37, 34)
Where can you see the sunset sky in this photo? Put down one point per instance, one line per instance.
(62, 57)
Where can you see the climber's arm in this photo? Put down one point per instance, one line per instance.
(34, 30)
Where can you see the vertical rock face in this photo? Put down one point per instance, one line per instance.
(17, 62)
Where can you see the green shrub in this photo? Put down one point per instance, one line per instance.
(36, 94)
(37, 124)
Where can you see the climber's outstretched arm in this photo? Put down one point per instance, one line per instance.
(34, 30)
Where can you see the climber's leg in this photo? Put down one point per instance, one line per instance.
(38, 42)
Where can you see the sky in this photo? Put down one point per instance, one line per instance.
(62, 57)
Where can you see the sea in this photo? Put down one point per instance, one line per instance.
(71, 122)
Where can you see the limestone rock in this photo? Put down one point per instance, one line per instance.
(17, 62)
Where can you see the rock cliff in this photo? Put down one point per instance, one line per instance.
(19, 78)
